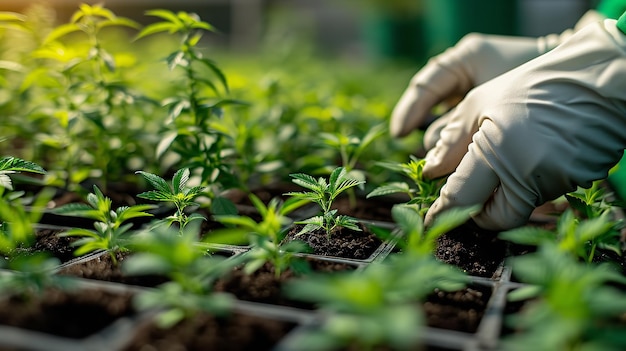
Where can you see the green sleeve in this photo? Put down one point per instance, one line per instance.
(611, 8)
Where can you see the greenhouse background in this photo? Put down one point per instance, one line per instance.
(355, 28)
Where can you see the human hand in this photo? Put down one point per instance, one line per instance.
(536, 132)
(474, 60)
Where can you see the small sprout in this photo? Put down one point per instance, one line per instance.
(416, 238)
(177, 194)
(423, 193)
(111, 230)
(192, 271)
(266, 236)
(578, 237)
(323, 193)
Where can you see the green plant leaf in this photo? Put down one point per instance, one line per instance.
(61, 31)
(223, 206)
(156, 28)
(528, 236)
(156, 182)
(390, 188)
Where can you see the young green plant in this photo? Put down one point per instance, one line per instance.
(415, 238)
(592, 202)
(422, 192)
(194, 130)
(17, 224)
(378, 306)
(350, 149)
(266, 235)
(111, 230)
(191, 269)
(29, 271)
(323, 193)
(177, 193)
(578, 237)
(568, 305)
(85, 105)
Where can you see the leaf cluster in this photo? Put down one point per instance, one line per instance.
(266, 235)
(575, 236)
(379, 305)
(570, 305)
(421, 191)
(177, 193)
(192, 270)
(111, 230)
(323, 193)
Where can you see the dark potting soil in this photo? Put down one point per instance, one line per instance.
(75, 314)
(476, 251)
(48, 240)
(237, 332)
(263, 286)
(344, 243)
(459, 310)
(103, 268)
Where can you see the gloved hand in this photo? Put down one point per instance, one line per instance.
(536, 132)
(476, 59)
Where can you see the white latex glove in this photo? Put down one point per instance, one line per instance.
(536, 132)
(475, 59)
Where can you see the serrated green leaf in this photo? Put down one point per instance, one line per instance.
(305, 181)
(15, 164)
(390, 188)
(156, 182)
(180, 179)
(155, 195)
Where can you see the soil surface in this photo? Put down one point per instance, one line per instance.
(263, 286)
(476, 251)
(459, 310)
(48, 240)
(344, 243)
(75, 314)
(102, 267)
(202, 332)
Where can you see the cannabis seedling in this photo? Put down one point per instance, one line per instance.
(11, 165)
(266, 236)
(376, 306)
(423, 192)
(569, 305)
(192, 270)
(323, 193)
(592, 202)
(30, 271)
(111, 232)
(578, 237)
(16, 223)
(177, 194)
(416, 239)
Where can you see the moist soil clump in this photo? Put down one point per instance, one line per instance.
(476, 251)
(344, 243)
